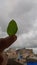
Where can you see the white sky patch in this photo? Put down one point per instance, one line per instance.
(35, 25)
(24, 40)
(3, 34)
(0, 30)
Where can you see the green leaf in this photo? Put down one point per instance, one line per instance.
(12, 28)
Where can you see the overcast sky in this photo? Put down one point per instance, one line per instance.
(24, 12)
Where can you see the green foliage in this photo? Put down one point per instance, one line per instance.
(12, 28)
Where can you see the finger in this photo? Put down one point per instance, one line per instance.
(6, 42)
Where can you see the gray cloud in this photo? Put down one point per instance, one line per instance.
(25, 14)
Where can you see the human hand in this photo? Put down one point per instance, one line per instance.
(5, 43)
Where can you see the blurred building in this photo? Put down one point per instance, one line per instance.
(11, 53)
(20, 55)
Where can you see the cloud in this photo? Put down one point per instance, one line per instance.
(27, 40)
(25, 14)
(14, 9)
(6, 7)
